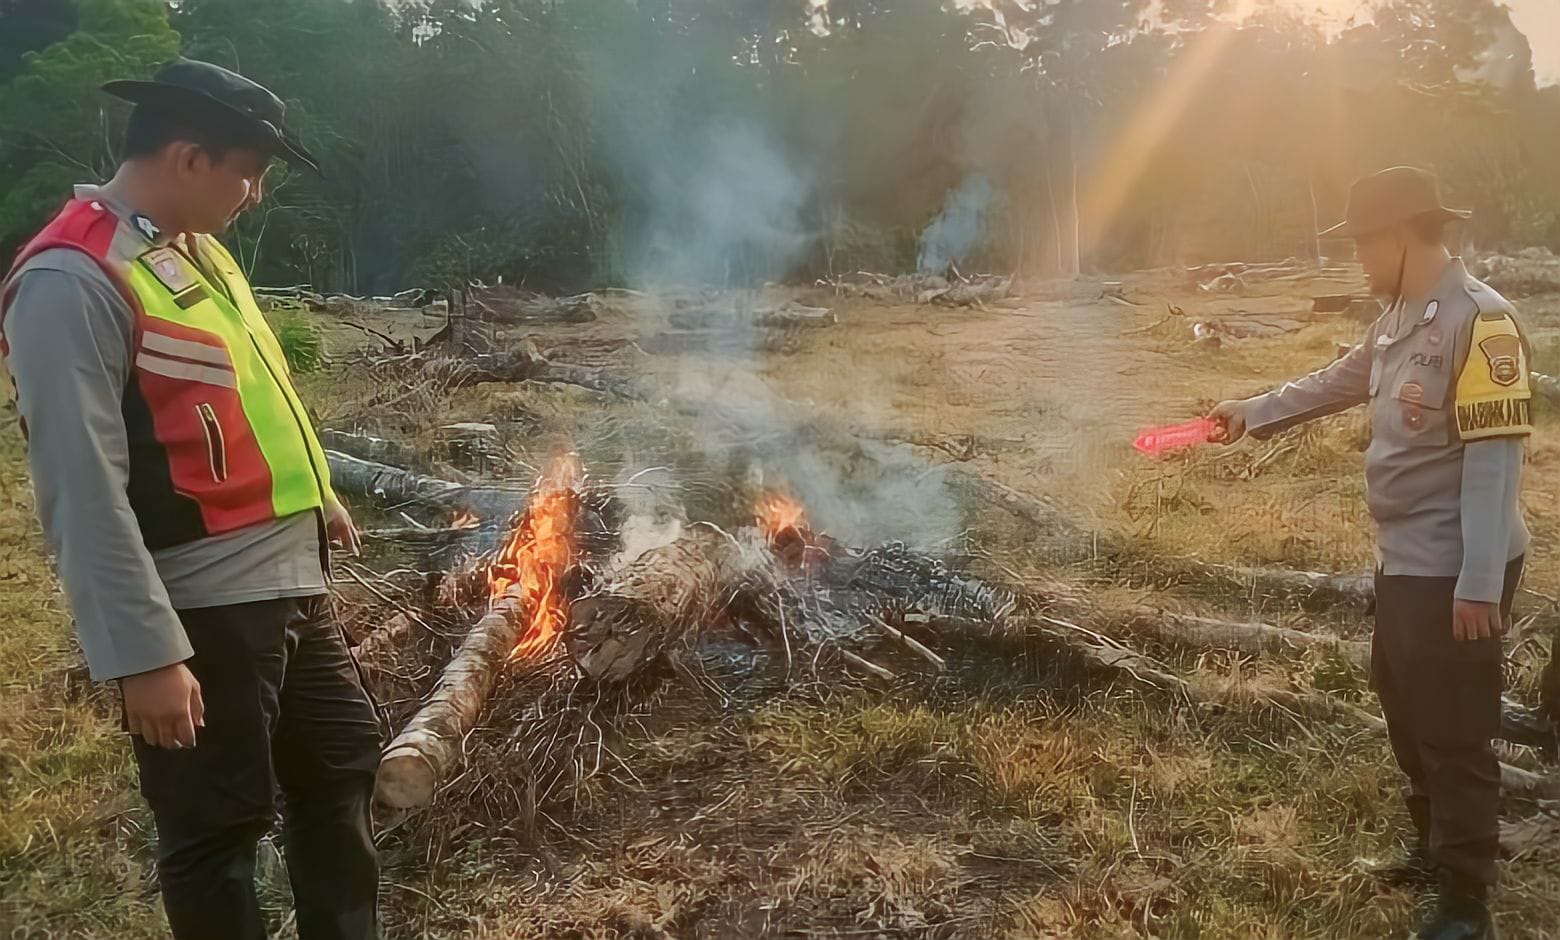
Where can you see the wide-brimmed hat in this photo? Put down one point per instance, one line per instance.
(1391, 197)
(210, 96)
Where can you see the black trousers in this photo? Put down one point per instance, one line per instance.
(1441, 699)
(287, 717)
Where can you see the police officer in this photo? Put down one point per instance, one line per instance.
(189, 505)
(1444, 373)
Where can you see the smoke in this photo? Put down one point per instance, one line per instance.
(957, 229)
(720, 195)
(723, 206)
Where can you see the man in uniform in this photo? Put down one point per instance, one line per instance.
(188, 503)
(1445, 375)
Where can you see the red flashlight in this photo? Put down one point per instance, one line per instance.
(1156, 441)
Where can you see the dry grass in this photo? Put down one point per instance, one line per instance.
(1014, 797)
(73, 835)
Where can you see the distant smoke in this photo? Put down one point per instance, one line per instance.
(723, 206)
(958, 228)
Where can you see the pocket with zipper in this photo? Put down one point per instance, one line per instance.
(216, 448)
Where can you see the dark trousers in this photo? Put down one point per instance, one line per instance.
(1441, 699)
(287, 716)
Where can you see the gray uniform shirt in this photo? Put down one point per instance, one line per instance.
(1442, 507)
(70, 335)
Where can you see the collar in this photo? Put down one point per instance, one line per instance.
(129, 217)
(1427, 305)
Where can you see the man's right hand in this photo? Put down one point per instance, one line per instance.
(1231, 416)
(164, 706)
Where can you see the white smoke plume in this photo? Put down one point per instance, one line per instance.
(956, 231)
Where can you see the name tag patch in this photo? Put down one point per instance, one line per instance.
(1502, 414)
(169, 269)
(1427, 360)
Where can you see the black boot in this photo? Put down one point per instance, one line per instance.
(1460, 914)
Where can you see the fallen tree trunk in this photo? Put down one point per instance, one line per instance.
(1253, 638)
(1353, 587)
(425, 751)
(1109, 654)
(367, 447)
(394, 486)
(521, 365)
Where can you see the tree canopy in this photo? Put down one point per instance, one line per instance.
(564, 143)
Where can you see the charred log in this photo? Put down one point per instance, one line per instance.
(640, 612)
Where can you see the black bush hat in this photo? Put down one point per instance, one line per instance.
(209, 95)
(1391, 197)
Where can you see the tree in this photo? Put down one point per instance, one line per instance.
(65, 130)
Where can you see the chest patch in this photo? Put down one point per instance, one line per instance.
(1427, 360)
(170, 270)
(1411, 399)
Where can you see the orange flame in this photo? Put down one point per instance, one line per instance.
(532, 563)
(778, 514)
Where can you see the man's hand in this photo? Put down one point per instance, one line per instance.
(1476, 620)
(1231, 416)
(163, 706)
(339, 528)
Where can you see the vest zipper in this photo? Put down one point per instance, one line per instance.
(216, 447)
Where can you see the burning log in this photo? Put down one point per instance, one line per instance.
(423, 753)
(524, 621)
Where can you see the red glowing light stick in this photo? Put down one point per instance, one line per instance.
(1156, 441)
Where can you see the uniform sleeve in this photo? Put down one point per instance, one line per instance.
(69, 340)
(1491, 483)
(1338, 387)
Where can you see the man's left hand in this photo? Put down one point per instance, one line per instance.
(1476, 620)
(339, 528)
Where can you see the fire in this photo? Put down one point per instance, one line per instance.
(779, 516)
(465, 519)
(540, 549)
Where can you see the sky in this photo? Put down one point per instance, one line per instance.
(1539, 20)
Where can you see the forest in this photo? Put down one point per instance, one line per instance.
(564, 144)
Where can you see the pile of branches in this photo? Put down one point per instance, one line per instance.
(949, 290)
(503, 738)
(1526, 273)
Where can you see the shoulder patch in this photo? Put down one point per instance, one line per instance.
(1493, 394)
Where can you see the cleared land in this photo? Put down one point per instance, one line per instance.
(1020, 794)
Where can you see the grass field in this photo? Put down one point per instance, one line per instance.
(1021, 797)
